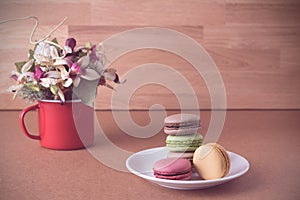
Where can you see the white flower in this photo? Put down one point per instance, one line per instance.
(47, 82)
(90, 70)
(45, 53)
(57, 77)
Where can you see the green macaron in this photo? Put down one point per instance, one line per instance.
(183, 143)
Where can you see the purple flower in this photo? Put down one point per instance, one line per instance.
(71, 42)
(68, 60)
(38, 73)
(93, 55)
(102, 81)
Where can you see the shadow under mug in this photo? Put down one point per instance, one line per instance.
(65, 126)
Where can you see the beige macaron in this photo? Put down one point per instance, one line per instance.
(211, 161)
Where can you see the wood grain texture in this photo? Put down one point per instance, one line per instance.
(255, 45)
(157, 12)
(263, 13)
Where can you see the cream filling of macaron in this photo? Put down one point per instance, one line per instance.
(224, 157)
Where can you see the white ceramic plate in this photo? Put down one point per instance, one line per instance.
(141, 164)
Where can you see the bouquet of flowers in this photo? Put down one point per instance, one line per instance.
(54, 72)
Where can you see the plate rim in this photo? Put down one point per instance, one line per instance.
(185, 182)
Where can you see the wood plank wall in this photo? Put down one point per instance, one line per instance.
(255, 44)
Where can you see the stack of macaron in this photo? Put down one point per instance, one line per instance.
(182, 139)
(211, 160)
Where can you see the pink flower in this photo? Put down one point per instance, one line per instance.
(38, 73)
(76, 68)
(15, 77)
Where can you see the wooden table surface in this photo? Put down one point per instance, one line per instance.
(269, 140)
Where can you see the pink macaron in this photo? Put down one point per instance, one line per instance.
(173, 169)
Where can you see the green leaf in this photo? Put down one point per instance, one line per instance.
(88, 45)
(54, 41)
(19, 66)
(33, 87)
(54, 89)
(31, 52)
(32, 69)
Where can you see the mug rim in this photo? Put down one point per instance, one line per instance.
(58, 101)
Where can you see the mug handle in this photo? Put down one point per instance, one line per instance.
(22, 122)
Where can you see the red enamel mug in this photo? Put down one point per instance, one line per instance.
(65, 126)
